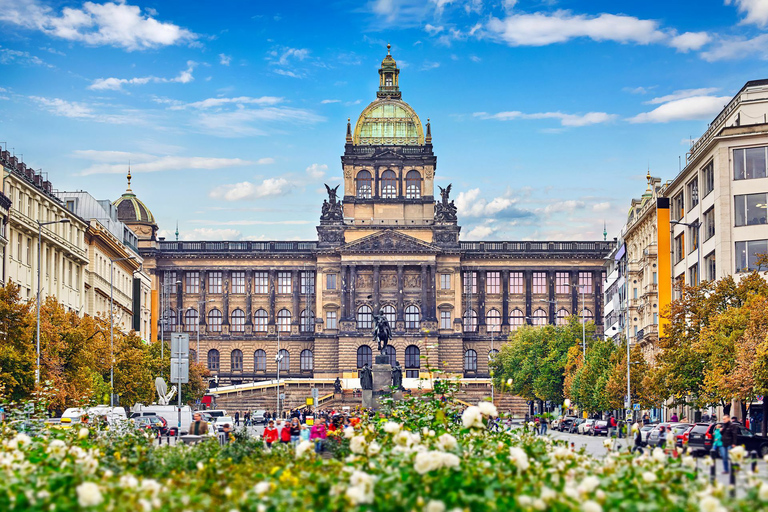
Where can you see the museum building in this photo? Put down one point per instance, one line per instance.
(385, 244)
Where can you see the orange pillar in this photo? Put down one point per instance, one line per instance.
(664, 259)
(154, 314)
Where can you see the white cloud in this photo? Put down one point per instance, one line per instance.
(112, 24)
(479, 233)
(738, 48)
(265, 161)
(475, 58)
(326, 102)
(756, 10)
(292, 53)
(565, 119)
(286, 72)
(568, 206)
(225, 59)
(635, 90)
(682, 94)
(470, 204)
(218, 102)
(428, 66)
(116, 162)
(686, 109)
(240, 122)
(246, 191)
(432, 29)
(116, 84)
(601, 207)
(64, 108)
(212, 234)
(8, 56)
(689, 41)
(317, 171)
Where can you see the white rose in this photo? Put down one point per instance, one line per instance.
(738, 453)
(591, 506)
(539, 504)
(488, 409)
(659, 455)
(525, 501)
(449, 460)
(357, 445)
(357, 495)
(589, 484)
(548, 494)
(710, 504)
(261, 488)
(472, 417)
(435, 506)
(84, 433)
(151, 486)
(129, 481)
(426, 462)
(763, 492)
(89, 494)
(607, 443)
(374, 448)
(349, 432)
(302, 448)
(649, 477)
(447, 442)
(689, 461)
(57, 448)
(391, 427)
(519, 458)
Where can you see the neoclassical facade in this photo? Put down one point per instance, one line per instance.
(386, 243)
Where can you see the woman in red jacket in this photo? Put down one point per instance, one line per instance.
(318, 434)
(270, 434)
(285, 433)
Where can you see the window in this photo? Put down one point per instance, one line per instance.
(412, 361)
(307, 321)
(587, 315)
(364, 185)
(390, 351)
(516, 283)
(260, 282)
(69, 274)
(693, 192)
(585, 282)
(413, 185)
(388, 185)
(364, 356)
(492, 354)
(213, 360)
(693, 274)
(214, 282)
(709, 223)
(747, 253)
(390, 314)
(214, 320)
(192, 282)
(306, 361)
(655, 278)
(562, 317)
(237, 321)
(540, 283)
(751, 209)
(191, 320)
(678, 207)
(710, 266)
(493, 321)
(29, 251)
(364, 318)
(284, 360)
(412, 317)
(330, 320)
(562, 283)
(445, 281)
(708, 179)
(238, 282)
(284, 320)
(170, 320)
(330, 281)
(388, 80)
(307, 283)
(170, 282)
(18, 247)
(539, 317)
(445, 319)
(470, 321)
(693, 235)
(260, 361)
(237, 360)
(634, 293)
(679, 247)
(283, 282)
(493, 282)
(470, 361)
(516, 319)
(470, 282)
(749, 163)
(260, 318)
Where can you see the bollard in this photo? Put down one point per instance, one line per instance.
(713, 467)
(732, 479)
(753, 454)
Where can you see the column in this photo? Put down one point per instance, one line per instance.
(353, 292)
(343, 281)
(505, 297)
(551, 296)
(400, 285)
(272, 290)
(376, 303)
(528, 274)
(597, 280)
(424, 292)
(575, 293)
(248, 298)
(295, 289)
(433, 293)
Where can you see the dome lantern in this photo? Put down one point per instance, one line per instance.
(389, 82)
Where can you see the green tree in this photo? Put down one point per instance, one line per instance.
(589, 380)
(17, 350)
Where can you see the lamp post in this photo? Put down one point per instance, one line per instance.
(200, 304)
(112, 326)
(39, 263)
(697, 226)
(163, 321)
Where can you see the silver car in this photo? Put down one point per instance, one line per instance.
(586, 427)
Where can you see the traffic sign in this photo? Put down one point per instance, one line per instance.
(180, 345)
(179, 371)
(636, 407)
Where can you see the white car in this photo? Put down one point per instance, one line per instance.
(220, 421)
(586, 427)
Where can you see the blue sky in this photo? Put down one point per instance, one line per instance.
(545, 114)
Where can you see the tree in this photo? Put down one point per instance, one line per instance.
(17, 352)
(616, 388)
(590, 379)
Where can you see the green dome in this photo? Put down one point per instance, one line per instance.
(131, 210)
(388, 122)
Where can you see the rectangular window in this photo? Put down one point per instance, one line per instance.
(516, 283)
(238, 282)
(29, 251)
(330, 281)
(710, 267)
(493, 283)
(678, 207)
(655, 278)
(655, 319)
(539, 284)
(214, 282)
(585, 282)
(693, 236)
(693, 192)
(69, 274)
(562, 283)
(470, 282)
(445, 281)
(751, 209)
(18, 247)
(192, 282)
(693, 274)
(679, 247)
(283, 282)
(708, 179)
(634, 293)
(330, 320)
(709, 223)
(170, 282)
(749, 163)
(260, 282)
(445, 319)
(307, 283)
(747, 254)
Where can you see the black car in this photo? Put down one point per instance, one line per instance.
(702, 436)
(565, 423)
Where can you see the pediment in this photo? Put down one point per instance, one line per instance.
(389, 242)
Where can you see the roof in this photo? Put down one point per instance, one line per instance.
(388, 121)
(131, 209)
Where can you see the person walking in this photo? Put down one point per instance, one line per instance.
(303, 432)
(646, 418)
(285, 433)
(612, 425)
(717, 445)
(295, 431)
(674, 418)
(270, 434)
(237, 418)
(318, 434)
(543, 425)
(199, 427)
(730, 435)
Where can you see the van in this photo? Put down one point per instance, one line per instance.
(113, 414)
(170, 413)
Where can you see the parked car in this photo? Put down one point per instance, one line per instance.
(681, 433)
(565, 423)
(653, 436)
(599, 428)
(163, 429)
(220, 421)
(644, 431)
(574, 428)
(586, 426)
(149, 422)
(258, 417)
(677, 429)
(702, 435)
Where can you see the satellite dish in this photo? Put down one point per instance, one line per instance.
(161, 387)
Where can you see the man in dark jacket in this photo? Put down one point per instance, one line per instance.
(198, 426)
(730, 436)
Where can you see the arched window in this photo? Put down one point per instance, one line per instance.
(364, 356)
(307, 321)
(470, 320)
(284, 320)
(412, 361)
(260, 361)
(170, 320)
(214, 320)
(284, 360)
(388, 185)
(412, 317)
(562, 316)
(470, 361)
(190, 320)
(237, 321)
(237, 360)
(492, 354)
(364, 318)
(588, 316)
(539, 317)
(213, 360)
(306, 360)
(260, 318)
(516, 319)
(364, 185)
(413, 185)
(390, 314)
(493, 321)
(392, 353)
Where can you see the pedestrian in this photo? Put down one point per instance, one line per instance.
(285, 433)
(612, 425)
(318, 434)
(730, 435)
(646, 418)
(752, 422)
(662, 437)
(674, 418)
(717, 445)
(705, 417)
(227, 430)
(543, 425)
(295, 429)
(237, 418)
(303, 432)
(270, 434)
(638, 438)
(198, 426)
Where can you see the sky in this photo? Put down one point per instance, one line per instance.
(545, 114)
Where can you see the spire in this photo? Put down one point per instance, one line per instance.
(388, 77)
(605, 232)
(428, 137)
(129, 178)
(177, 231)
(349, 131)
(648, 190)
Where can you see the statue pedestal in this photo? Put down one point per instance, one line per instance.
(382, 381)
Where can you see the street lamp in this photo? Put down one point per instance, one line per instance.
(112, 326)
(697, 226)
(39, 263)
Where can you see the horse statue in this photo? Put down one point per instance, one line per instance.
(381, 332)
